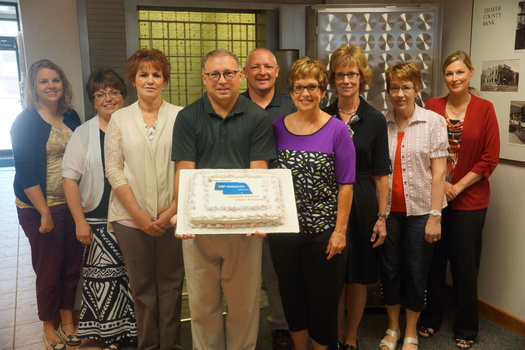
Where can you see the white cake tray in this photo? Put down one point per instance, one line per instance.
(290, 220)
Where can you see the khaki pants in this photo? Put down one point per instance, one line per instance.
(231, 264)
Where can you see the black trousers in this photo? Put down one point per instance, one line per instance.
(461, 245)
(310, 285)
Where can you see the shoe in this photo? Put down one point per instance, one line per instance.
(351, 347)
(465, 344)
(71, 340)
(282, 340)
(410, 340)
(54, 346)
(348, 346)
(425, 332)
(113, 346)
(386, 343)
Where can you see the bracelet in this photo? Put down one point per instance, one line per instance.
(382, 215)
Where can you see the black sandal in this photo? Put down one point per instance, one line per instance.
(425, 332)
(467, 344)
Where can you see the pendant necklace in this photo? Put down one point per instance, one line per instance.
(458, 114)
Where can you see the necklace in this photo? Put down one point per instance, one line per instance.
(457, 114)
(351, 113)
(151, 130)
(301, 132)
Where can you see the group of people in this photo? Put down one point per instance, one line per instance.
(379, 198)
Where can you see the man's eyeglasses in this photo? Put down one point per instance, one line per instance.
(298, 89)
(351, 76)
(405, 89)
(228, 75)
(102, 95)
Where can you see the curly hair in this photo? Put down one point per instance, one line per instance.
(153, 57)
(103, 79)
(305, 67)
(351, 55)
(404, 71)
(30, 96)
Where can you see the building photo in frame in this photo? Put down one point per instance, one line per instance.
(498, 56)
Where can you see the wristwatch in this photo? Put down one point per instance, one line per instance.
(382, 215)
(434, 212)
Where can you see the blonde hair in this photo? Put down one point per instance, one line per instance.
(305, 67)
(30, 96)
(404, 71)
(350, 55)
(461, 56)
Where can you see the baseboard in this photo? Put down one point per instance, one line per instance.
(502, 318)
(498, 316)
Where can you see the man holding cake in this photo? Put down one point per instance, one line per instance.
(261, 71)
(222, 130)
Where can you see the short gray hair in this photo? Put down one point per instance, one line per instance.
(220, 53)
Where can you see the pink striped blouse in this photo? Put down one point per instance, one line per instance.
(425, 138)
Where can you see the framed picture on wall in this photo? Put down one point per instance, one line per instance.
(498, 55)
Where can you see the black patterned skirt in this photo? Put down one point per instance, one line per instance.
(106, 312)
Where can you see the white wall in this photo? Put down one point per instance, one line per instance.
(50, 30)
(501, 281)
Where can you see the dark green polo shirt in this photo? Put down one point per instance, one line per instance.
(202, 136)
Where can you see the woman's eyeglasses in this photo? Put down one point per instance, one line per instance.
(298, 89)
(102, 95)
(350, 76)
(228, 75)
(405, 89)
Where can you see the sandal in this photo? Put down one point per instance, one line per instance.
(425, 332)
(71, 340)
(113, 346)
(410, 340)
(386, 343)
(54, 346)
(466, 344)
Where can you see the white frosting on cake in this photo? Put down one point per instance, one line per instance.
(224, 199)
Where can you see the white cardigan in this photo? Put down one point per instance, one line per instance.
(146, 166)
(83, 162)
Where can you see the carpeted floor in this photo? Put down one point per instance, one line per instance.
(374, 323)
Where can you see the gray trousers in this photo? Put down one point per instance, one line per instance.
(156, 272)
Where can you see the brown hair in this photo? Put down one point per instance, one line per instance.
(103, 79)
(154, 57)
(305, 67)
(350, 55)
(404, 71)
(30, 96)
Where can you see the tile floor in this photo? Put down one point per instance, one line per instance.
(20, 327)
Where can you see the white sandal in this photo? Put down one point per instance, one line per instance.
(410, 340)
(386, 343)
